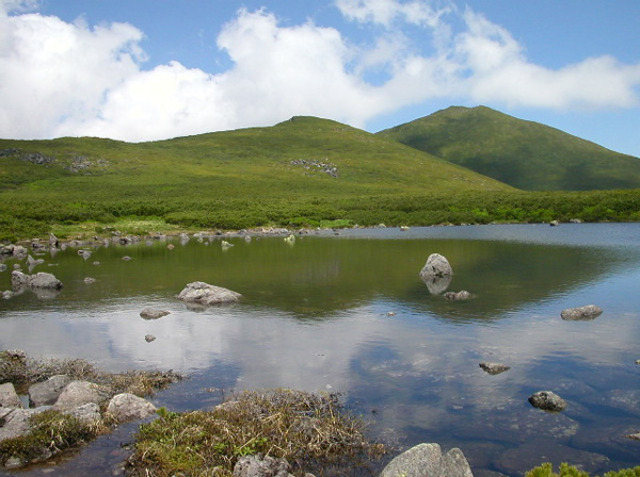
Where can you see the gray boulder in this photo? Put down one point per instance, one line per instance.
(548, 401)
(41, 280)
(8, 396)
(19, 251)
(202, 293)
(126, 407)
(47, 392)
(436, 266)
(587, 312)
(77, 393)
(88, 413)
(427, 460)
(152, 314)
(259, 466)
(16, 422)
(494, 368)
(45, 280)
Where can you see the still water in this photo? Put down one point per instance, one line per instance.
(349, 314)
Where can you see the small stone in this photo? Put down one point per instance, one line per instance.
(153, 314)
(149, 338)
(457, 296)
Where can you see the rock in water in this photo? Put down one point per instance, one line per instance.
(548, 401)
(494, 368)
(587, 312)
(202, 293)
(436, 266)
(458, 296)
(153, 314)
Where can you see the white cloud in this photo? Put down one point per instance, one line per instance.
(386, 12)
(499, 72)
(60, 78)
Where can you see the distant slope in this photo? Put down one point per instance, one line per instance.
(301, 157)
(523, 154)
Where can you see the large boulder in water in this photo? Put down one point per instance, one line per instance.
(201, 293)
(436, 266)
(436, 273)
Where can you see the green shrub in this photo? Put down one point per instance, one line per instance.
(566, 470)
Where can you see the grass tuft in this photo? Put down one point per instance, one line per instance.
(310, 430)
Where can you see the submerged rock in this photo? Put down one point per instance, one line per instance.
(428, 460)
(202, 293)
(458, 296)
(587, 312)
(548, 401)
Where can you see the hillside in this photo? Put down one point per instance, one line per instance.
(304, 155)
(523, 154)
(292, 173)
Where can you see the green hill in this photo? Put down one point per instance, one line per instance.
(299, 172)
(523, 154)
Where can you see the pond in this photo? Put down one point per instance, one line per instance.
(347, 312)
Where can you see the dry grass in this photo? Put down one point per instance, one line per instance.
(310, 430)
(16, 367)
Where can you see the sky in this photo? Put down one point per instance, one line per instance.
(139, 70)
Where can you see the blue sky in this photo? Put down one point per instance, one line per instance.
(151, 69)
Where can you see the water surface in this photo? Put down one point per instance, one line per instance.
(349, 314)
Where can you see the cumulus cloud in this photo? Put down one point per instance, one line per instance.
(62, 78)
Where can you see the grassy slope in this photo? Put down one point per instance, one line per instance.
(230, 179)
(524, 154)
(255, 162)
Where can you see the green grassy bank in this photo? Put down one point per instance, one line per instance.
(27, 218)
